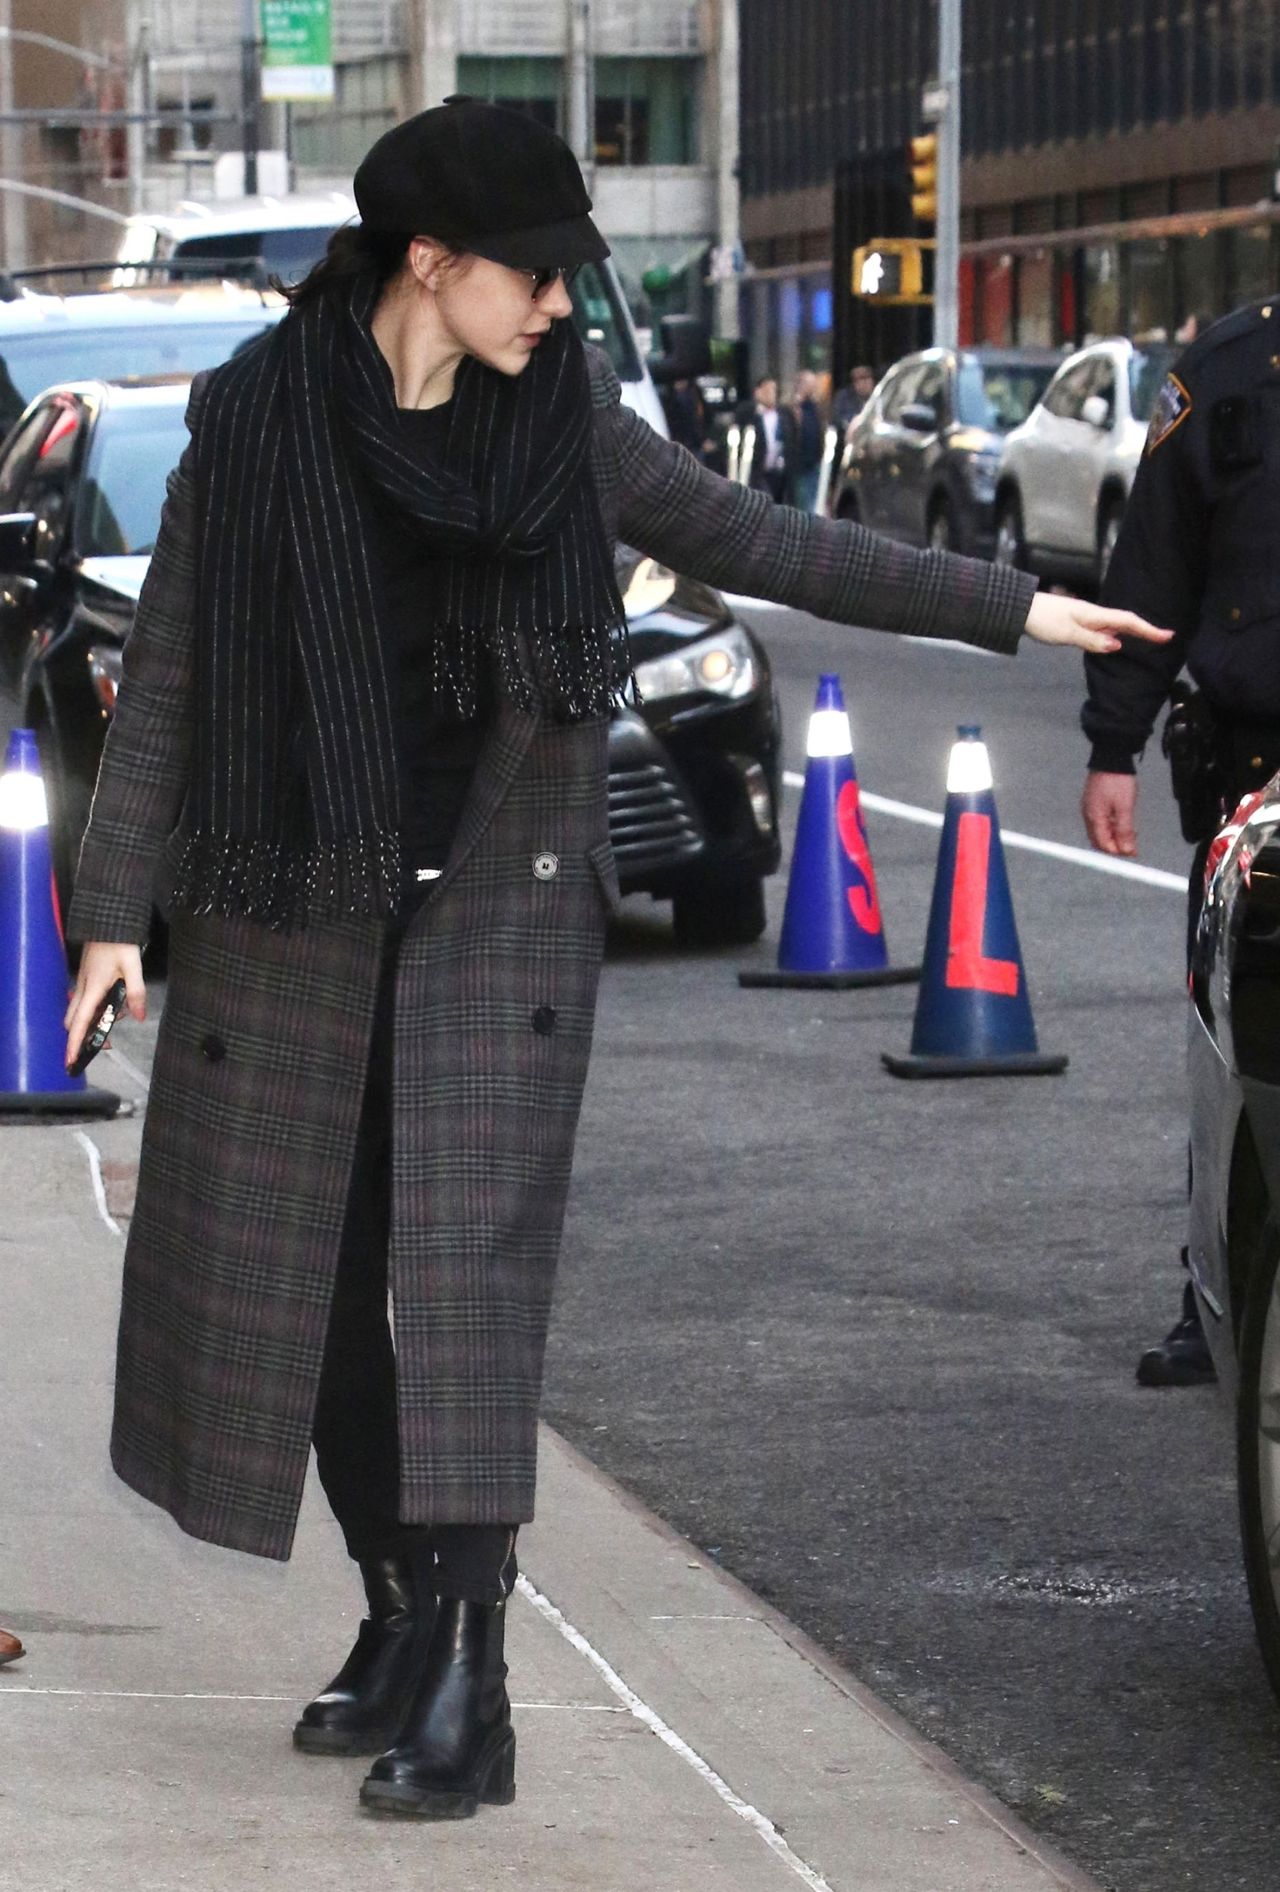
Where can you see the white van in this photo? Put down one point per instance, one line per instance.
(285, 236)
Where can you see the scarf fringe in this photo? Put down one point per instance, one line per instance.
(282, 886)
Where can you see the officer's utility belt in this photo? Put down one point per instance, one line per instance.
(1214, 761)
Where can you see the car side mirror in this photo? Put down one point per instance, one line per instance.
(1096, 411)
(686, 350)
(17, 540)
(919, 418)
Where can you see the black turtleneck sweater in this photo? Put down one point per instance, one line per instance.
(437, 756)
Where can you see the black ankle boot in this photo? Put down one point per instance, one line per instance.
(457, 1747)
(364, 1704)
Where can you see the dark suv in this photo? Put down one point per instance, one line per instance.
(923, 455)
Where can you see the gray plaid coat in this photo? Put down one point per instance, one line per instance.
(260, 1062)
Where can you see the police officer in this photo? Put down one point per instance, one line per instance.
(1199, 551)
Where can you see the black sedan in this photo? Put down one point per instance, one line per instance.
(1235, 1202)
(923, 455)
(694, 767)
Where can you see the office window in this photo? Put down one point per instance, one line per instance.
(535, 86)
(646, 111)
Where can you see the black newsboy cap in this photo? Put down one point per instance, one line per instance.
(486, 178)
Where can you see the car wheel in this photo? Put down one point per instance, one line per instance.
(1108, 533)
(1258, 1446)
(942, 527)
(70, 800)
(721, 913)
(1010, 545)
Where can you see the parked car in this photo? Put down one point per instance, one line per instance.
(1234, 1245)
(693, 770)
(277, 236)
(122, 335)
(922, 456)
(1066, 472)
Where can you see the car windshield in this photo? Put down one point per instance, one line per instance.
(602, 319)
(134, 449)
(998, 395)
(1147, 370)
(31, 363)
(288, 254)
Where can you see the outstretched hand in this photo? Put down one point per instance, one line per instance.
(1096, 627)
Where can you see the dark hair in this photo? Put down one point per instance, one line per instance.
(352, 250)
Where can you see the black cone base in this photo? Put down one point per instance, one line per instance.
(85, 1103)
(1015, 1064)
(831, 981)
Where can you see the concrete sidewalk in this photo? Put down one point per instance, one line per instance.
(674, 1734)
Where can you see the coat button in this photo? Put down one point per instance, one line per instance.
(544, 1020)
(1235, 614)
(546, 866)
(213, 1048)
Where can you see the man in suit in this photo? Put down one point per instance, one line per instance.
(773, 461)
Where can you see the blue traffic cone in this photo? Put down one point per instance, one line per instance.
(33, 983)
(832, 932)
(973, 1016)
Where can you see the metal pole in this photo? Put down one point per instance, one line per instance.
(250, 92)
(946, 286)
(579, 102)
(728, 195)
(14, 217)
(139, 62)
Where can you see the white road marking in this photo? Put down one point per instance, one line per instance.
(760, 1822)
(148, 1694)
(94, 1155)
(1029, 843)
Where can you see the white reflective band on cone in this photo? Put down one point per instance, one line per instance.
(969, 771)
(23, 806)
(829, 733)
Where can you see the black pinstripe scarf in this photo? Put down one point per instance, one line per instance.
(294, 805)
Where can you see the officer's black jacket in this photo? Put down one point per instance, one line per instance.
(1199, 550)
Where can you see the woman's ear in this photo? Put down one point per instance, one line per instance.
(425, 258)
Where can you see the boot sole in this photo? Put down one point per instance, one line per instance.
(495, 1786)
(334, 1743)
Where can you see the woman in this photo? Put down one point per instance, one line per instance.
(360, 757)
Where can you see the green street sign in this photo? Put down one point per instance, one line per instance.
(297, 49)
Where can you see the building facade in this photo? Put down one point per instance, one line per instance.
(646, 90)
(1118, 166)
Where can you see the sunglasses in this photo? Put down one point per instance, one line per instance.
(542, 279)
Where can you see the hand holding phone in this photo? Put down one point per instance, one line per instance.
(101, 1030)
(110, 975)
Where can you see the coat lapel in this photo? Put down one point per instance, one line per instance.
(498, 766)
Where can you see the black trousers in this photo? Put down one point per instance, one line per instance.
(356, 1433)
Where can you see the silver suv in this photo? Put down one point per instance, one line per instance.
(1065, 474)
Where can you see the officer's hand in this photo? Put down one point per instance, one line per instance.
(1056, 620)
(100, 966)
(1110, 807)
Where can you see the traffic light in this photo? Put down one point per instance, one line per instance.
(924, 177)
(891, 270)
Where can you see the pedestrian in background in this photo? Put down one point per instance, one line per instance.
(773, 455)
(852, 398)
(360, 752)
(1197, 551)
(685, 416)
(808, 440)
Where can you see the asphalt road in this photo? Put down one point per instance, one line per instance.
(871, 1344)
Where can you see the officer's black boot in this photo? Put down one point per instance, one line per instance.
(457, 1747)
(1182, 1357)
(365, 1703)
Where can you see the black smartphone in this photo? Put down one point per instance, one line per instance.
(93, 1041)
